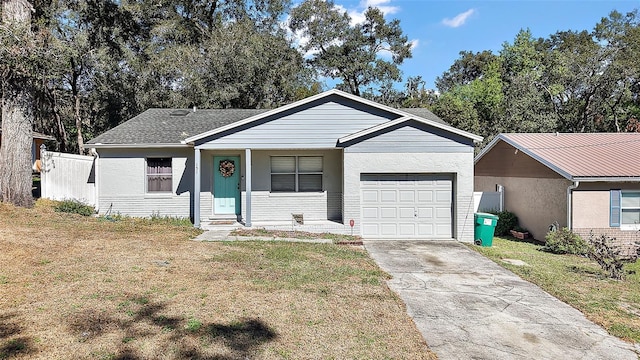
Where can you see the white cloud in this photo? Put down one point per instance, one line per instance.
(357, 14)
(459, 19)
(380, 4)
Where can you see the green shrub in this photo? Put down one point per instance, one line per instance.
(565, 241)
(74, 207)
(506, 221)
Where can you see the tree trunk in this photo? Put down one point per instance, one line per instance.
(78, 119)
(16, 12)
(17, 119)
(75, 75)
(60, 129)
(15, 151)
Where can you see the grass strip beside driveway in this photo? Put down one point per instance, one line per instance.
(578, 281)
(86, 288)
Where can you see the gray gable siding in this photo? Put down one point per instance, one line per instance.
(410, 137)
(314, 125)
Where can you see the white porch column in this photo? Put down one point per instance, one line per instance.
(196, 189)
(43, 171)
(247, 178)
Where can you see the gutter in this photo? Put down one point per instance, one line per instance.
(135, 146)
(570, 188)
(608, 179)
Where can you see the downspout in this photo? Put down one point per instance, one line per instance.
(570, 202)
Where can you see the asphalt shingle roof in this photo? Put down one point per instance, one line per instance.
(425, 114)
(584, 155)
(171, 126)
(159, 126)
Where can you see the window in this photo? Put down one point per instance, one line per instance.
(159, 175)
(625, 208)
(296, 173)
(630, 208)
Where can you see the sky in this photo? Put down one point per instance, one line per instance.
(441, 29)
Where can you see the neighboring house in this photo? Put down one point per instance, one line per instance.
(333, 156)
(38, 140)
(587, 182)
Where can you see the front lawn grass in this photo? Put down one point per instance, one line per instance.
(90, 288)
(578, 281)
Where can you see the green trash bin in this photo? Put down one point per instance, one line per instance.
(485, 226)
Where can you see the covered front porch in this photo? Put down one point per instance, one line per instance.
(269, 188)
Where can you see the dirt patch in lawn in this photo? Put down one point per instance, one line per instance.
(284, 234)
(87, 288)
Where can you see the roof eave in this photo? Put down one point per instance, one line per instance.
(606, 178)
(136, 146)
(43, 137)
(487, 148)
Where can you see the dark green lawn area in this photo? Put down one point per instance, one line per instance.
(578, 281)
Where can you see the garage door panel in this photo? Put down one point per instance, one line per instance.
(388, 229)
(425, 196)
(425, 213)
(388, 195)
(407, 229)
(408, 196)
(443, 230)
(426, 230)
(407, 213)
(443, 213)
(388, 213)
(369, 196)
(443, 196)
(370, 213)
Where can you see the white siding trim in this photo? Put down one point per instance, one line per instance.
(404, 119)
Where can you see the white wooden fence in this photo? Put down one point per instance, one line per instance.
(488, 201)
(67, 176)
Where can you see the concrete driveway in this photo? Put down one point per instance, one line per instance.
(467, 307)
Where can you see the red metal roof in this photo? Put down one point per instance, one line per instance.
(583, 155)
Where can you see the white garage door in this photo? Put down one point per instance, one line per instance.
(406, 206)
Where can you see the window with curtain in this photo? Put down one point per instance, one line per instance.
(296, 173)
(159, 175)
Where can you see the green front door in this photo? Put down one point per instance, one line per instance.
(226, 185)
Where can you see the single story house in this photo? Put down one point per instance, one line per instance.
(38, 140)
(586, 182)
(330, 157)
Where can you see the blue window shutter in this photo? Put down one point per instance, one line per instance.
(614, 212)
